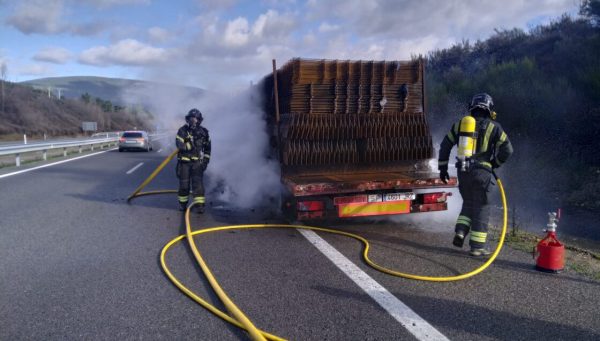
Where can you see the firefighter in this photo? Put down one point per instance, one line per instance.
(491, 148)
(194, 147)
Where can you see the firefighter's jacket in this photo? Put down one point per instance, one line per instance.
(193, 144)
(493, 147)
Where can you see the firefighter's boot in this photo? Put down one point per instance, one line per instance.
(479, 252)
(200, 208)
(459, 239)
(182, 206)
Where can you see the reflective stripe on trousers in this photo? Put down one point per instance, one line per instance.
(474, 187)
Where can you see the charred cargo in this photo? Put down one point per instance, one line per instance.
(352, 138)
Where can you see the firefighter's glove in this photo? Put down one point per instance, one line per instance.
(203, 164)
(444, 176)
(495, 164)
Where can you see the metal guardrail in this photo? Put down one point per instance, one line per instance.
(44, 147)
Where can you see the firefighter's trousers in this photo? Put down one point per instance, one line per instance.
(190, 173)
(474, 186)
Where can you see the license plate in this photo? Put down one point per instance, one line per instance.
(130, 141)
(374, 198)
(399, 196)
(373, 209)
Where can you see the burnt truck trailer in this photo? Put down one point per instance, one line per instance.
(352, 138)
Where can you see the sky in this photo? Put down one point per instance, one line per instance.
(222, 46)
(230, 43)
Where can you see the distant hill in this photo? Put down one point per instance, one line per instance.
(24, 110)
(116, 90)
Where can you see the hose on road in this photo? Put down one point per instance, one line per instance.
(238, 318)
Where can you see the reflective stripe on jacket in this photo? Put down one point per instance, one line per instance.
(193, 144)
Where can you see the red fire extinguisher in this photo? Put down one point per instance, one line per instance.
(550, 252)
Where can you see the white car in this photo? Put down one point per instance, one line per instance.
(135, 139)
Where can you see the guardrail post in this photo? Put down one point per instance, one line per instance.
(79, 149)
(65, 152)
(92, 147)
(18, 160)
(45, 154)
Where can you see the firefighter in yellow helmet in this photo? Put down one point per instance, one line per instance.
(482, 149)
(193, 143)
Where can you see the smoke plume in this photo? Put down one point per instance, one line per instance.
(239, 172)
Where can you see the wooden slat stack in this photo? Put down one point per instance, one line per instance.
(342, 115)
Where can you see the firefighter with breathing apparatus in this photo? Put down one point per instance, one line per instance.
(482, 147)
(193, 144)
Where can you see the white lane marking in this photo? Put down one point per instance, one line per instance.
(52, 164)
(134, 168)
(160, 150)
(400, 311)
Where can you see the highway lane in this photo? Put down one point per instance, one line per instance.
(509, 301)
(76, 261)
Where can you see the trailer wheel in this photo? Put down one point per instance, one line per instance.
(287, 203)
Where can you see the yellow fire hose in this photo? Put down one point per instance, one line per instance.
(238, 318)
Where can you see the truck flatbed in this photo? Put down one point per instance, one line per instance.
(352, 138)
(302, 185)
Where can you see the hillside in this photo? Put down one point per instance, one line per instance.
(25, 110)
(117, 90)
(546, 87)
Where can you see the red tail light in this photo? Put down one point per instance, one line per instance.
(349, 200)
(140, 140)
(307, 206)
(122, 139)
(434, 198)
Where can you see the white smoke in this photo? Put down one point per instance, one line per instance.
(239, 172)
(239, 164)
(438, 221)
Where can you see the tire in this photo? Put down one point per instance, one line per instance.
(287, 205)
(120, 150)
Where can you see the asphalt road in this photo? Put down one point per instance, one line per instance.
(78, 262)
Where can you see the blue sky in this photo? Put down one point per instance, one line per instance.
(212, 43)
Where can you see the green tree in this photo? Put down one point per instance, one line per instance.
(591, 10)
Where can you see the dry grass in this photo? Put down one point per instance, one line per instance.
(581, 261)
(32, 112)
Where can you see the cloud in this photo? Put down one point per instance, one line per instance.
(56, 16)
(235, 38)
(236, 33)
(342, 47)
(125, 52)
(158, 34)
(111, 3)
(87, 29)
(275, 3)
(272, 25)
(416, 19)
(37, 16)
(326, 27)
(56, 55)
(216, 4)
(33, 70)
